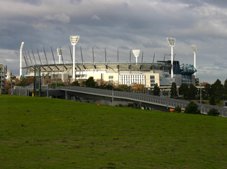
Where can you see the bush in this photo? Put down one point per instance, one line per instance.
(178, 109)
(213, 112)
(75, 83)
(192, 108)
(90, 82)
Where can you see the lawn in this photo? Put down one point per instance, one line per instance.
(41, 133)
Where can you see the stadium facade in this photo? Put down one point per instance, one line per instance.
(147, 74)
(163, 73)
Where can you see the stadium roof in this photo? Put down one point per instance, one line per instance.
(98, 66)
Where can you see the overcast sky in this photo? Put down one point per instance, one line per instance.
(123, 24)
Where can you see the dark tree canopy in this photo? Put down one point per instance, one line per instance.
(156, 90)
(90, 82)
(217, 91)
(192, 92)
(188, 91)
(173, 91)
(225, 89)
(183, 90)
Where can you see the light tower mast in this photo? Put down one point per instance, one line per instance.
(21, 56)
(194, 48)
(59, 52)
(74, 40)
(136, 53)
(171, 41)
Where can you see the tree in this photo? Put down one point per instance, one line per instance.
(212, 100)
(207, 91)
(156, 90)
(183, 90)
(90, 82)
(188, 91)
(75, 83)
(225, 89)
(123, 87)
(25, 81)
(138, 87)
(192, 92)
(217, 90)
(178, 109)
(192, 108)
(173, 91)
(7, 87)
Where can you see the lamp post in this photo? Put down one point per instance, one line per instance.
(74, 40)
(171, 41)
(59, 52)
(21, 55)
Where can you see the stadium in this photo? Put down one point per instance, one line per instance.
(163, 73)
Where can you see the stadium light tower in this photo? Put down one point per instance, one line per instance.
(136, 53)
(74, 40)
(59, 52)
(171, 42)
(21, 56)
(194, 48)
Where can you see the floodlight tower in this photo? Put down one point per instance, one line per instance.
(194, 48)
(59, 52)
(171, 42)
(74, 40)
(136, 53)
(21, 56)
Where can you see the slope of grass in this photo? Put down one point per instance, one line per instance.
(40, 133)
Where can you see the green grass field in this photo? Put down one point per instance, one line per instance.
(40, 133)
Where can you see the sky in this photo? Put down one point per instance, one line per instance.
(119, 25)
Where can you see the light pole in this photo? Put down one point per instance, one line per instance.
(194, 48)
(171, 41)
(74, 40)
(136, 53)
(21, 55)
(59, 52)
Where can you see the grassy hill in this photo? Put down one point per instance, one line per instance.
(40, 133)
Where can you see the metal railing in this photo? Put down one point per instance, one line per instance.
(142, 98)
(129, 96)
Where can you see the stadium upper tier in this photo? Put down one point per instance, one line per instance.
(100, 66)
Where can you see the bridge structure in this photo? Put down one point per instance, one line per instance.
(142, 98)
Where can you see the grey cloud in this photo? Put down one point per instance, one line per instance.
(33, 2)
(123, 24)
(76, 1)
(58, 18)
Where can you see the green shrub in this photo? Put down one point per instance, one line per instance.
(75, 83)
(192, 108)
(213, 112)
(178, 109)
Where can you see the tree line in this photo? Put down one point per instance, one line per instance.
(213, 93)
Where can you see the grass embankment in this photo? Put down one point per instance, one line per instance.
(44, 133)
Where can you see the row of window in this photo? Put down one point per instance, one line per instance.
(132, 79)
(152, 81)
